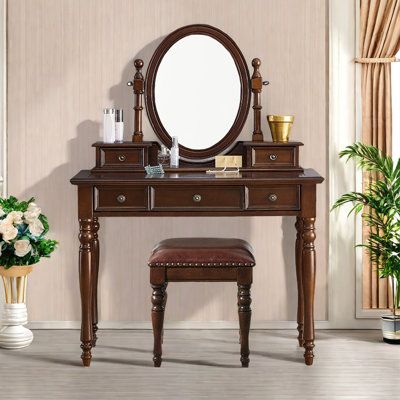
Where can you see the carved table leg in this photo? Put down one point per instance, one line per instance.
(300, 297)
(158, 300)
(308, 270)
(85, 280)
(95, 278)
(244, 301)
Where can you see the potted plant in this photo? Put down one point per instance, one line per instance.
(379, 204)
(22, 243)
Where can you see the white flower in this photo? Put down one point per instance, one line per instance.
(22, 247)
(32, 213)
(15, 217)
(36, 227)
(9, 232)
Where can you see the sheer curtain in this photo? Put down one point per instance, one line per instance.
(379, 43)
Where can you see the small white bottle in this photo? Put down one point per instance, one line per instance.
(108, 125)
(174, 154)
(119, 126)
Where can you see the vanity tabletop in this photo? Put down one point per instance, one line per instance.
(246, 176)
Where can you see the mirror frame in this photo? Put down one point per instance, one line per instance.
(200, 155)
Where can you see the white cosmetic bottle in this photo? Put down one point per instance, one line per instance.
(119, 126)
(108, 125)
(174, 155)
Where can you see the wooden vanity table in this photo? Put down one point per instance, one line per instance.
(270, 183)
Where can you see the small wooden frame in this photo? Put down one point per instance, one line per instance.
(138, 90)
(256, 88)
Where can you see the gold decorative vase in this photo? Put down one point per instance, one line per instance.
(280, 126)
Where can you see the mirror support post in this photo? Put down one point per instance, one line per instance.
(138, 90)
(256, 87)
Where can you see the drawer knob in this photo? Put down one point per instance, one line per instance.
(121, 198)
(273, 157)
(122, 157)
(196, 198)
(273, 197)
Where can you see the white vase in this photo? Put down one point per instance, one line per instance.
(13, 334)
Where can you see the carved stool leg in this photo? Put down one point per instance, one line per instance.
(244, 301)
(95, 278)
(165, 304)
(308, 275)
(299, 274)
(157, 317)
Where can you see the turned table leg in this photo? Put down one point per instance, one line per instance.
(300, 297)
(95, 278)
(158, 300)
(85, 280)
(308, 277)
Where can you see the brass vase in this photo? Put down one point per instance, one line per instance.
(280, 126)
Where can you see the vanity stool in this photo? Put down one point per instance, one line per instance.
(201, 260)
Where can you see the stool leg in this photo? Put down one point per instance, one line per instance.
(158, 300)
(244, 301)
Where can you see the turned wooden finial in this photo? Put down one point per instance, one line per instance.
(138, 90)
(256, 87)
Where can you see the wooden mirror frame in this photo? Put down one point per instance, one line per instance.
(225, 143)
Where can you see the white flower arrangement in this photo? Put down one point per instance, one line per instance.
(22, 233)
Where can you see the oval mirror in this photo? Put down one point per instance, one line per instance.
(198, 89)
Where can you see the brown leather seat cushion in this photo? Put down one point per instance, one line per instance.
(202, 252)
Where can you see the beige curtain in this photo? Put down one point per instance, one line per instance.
(379, 43)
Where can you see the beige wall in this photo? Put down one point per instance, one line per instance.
(69, 59)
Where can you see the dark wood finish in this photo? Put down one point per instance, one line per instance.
(274, 198)
(159, 278)
(111, 198)
(254, 180)
(138, 90)
(166, 198)
(230, 45)
(95, 278)
(256, 88)
(273, 156)
(299, 275)
(122, 156)
(86, 255)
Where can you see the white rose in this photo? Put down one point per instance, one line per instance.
(15, 217)
(9, 232)
(36, 227)
(22, 247)
(32, 213)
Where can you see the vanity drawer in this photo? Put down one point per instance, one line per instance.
(274, 198)
(121, 198)
(272, 157)
(193, 197)
(115, 157)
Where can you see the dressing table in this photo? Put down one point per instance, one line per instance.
(207, 119)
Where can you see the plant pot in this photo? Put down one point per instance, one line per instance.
(13, 334)
(391, 328)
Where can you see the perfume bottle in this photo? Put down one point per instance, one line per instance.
(108, 125)
(174, 161)
(163, 156)
(119, 126)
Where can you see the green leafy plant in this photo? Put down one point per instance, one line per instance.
(379, 204)
(22, 233)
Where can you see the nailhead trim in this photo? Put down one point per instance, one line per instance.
(232, 264)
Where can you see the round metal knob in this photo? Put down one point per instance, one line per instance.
(121, 157)
(196, 198)
(273, 157)
(121, 198)
(272, 197)
(130, 83)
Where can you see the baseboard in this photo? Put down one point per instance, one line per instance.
(173, 325)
